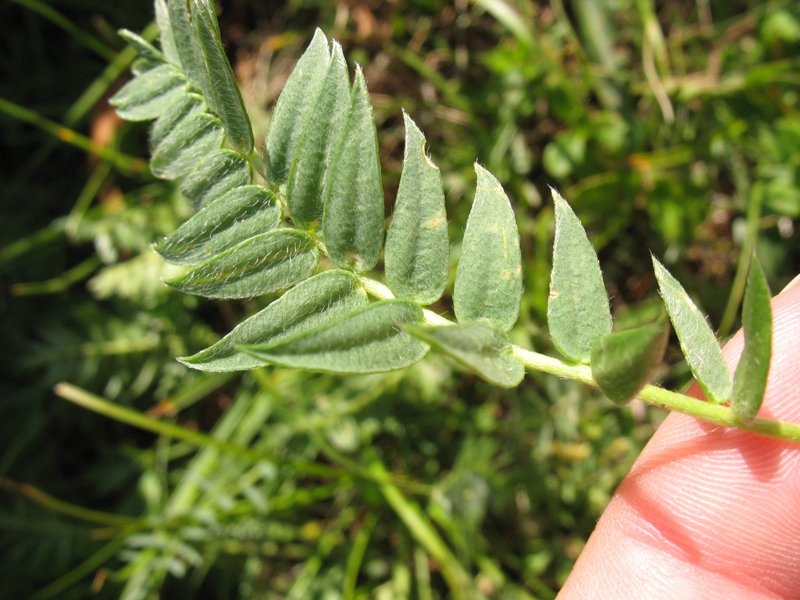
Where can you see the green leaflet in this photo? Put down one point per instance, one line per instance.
(150, 94)
(479, 347)
(489, 275)
(352, 221)
(321, 136)
(264, 264)
(368, 340)
(181, 109)
(168, 46)
(623, 363)
(577, 309)
(752, 372)
(242, 213)
(143, 48)
(227, 99)
(296, 101)
(214, 176)
(698, 342)
(309, 304)
(188, 48)
(186, 145)
(417, 247)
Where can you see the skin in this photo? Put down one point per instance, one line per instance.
(707, 511)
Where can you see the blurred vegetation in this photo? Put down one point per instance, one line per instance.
(671, 127)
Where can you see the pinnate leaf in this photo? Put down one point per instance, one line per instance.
(488, 282)
(296, 101)
(623, 363)
(479, 347)
(352, 222)
(577, 309)
(264, 264)
(698, 342)
(309, 304)
(752, 372)
(214, 176)
(321, 136)
(417, 247)
(368, 340)
(227, 103)
(150, 94)
(189, 143)
(242, 213)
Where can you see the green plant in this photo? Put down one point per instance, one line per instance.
(321, 167)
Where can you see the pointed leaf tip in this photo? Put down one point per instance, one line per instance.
(578, 312)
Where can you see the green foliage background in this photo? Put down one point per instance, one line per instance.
(670, 127)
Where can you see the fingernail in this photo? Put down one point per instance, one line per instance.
(792, 284)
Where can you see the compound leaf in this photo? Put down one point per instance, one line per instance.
(227, 104)
(322, 134)
(309, 304)
(577, 309)
(187, 105)
(240, 214)
(150, 94)
(186, 145)
(368, 340)
(293, 108)
(698, 342)
(488, 282)
(479, 347)
(750, 377)
(263, 264)
(352, 220)
(417, 247)
(214, 176)
(623, 363)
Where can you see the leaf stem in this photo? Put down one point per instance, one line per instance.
(700, 409)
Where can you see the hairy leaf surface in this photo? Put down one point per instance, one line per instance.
(186, 145)
(150, 94)
(417, 247)
(752, 372)
(215, 175)
(623, 363)
(227, 104)
(166, 37)
(577, 309)
(242, 213)
(699, 344)
(352, 222)
(188, 47)
(368, 340)
(479, 347)
(309, 304)
(297, 100)
(264, 264)
(143, 48)
(186, 106)
(489, 275)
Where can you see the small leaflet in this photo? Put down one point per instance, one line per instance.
(188, 105)
(368, 340)
(214, 176)
(698, 342)
(189, 143)
(242, 213)
(417, 246)
(478, 347)
(264, 264)
(228, 104)
(149, 95)
(297, 100)
(166, 37)
(322, 134)
(188, 48)
(752, 372)
(488, 282)
(352, 221)
(623, 363)
(143, 48)
(315, 301)
(578, 313)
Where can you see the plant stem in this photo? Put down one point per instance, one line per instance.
(700, 409)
